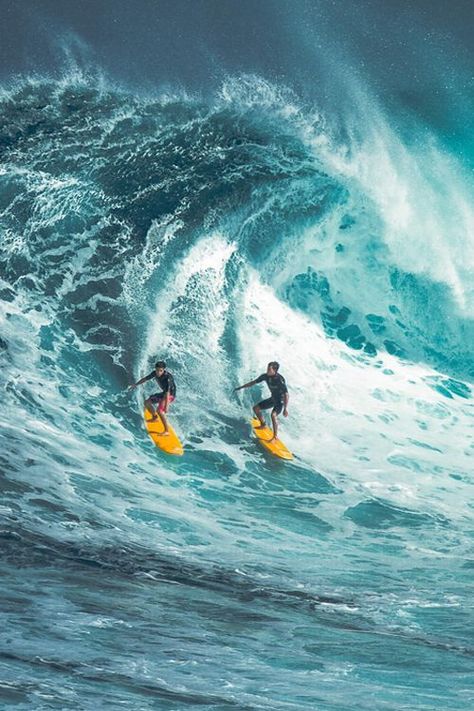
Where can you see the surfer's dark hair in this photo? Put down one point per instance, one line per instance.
(273, 364)
(160, 364)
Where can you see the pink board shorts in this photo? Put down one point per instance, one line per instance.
(159, 399)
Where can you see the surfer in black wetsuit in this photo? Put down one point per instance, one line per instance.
(278, 399)
(162, 399)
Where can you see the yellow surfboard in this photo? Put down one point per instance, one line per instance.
(276, 447)
(168, 443)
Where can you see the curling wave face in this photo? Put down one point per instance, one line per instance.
(220, 233)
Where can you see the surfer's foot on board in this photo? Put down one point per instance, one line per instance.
(261, 426)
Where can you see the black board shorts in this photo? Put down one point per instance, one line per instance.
(277, 405)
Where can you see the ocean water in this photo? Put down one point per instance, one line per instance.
(219, 230)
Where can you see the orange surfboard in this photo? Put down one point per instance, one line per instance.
(276, 447)
(168, 443)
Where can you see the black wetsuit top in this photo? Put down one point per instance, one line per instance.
(276, 383)
(165, 381)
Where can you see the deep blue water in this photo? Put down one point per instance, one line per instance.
(299, 201)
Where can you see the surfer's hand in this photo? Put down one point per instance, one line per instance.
(285, 412)
(132, 386)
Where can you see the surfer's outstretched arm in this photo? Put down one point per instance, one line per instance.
(141, 381)
(247, 385)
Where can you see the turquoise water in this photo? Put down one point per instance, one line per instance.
(220, 231)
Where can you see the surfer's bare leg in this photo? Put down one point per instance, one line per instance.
(164, 422)
(259, 416)
(275, 425)
(150, 408)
